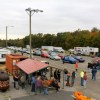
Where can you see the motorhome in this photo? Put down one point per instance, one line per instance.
(3, 53)
(85, 50)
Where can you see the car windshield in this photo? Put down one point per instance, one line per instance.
(53, 53)
(66, 57)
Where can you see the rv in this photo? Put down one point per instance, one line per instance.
(85, 50)
(3, 53)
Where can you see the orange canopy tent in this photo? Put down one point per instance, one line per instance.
(29, 65)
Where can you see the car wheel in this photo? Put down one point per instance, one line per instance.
(71, 62)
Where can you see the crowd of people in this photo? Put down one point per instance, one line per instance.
(39, 82)
(70, 77)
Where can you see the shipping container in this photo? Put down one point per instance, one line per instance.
(11, 60)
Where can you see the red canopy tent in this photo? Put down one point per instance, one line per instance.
(29, 65)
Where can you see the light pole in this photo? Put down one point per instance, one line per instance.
(7, 34)
(30, 13)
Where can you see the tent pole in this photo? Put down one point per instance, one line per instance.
(50, 72)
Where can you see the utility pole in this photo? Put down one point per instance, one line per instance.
(7, 35)
(30, 13)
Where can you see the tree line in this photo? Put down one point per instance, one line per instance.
(66, 40)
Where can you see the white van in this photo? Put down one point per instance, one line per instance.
(3, 53)
(58, 49)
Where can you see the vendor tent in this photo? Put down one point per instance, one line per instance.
(29, 65)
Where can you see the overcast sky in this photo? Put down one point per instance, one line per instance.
(58, 16)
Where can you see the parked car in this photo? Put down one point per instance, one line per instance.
(98, 54)
(79, 59)
(23, 50)
(59, 50)
(54, 56)
(69, 59)
(27, 51)
(45, 54)
(61, 56)
(37, 52)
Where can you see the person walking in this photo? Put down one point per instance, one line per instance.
(45, 86)
(94, 71)
(89, 67)
(82, 75)
(76, 66)
(38, 85)
(58, 75)
(33, 81)
(65, 74)
(73, 78)
(23, 81)
(55, 74)
(84, 79)
(16, 79)
(68, 79)
(56, 85)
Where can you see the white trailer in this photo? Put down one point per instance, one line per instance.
(3, 53)
(52, 48)
(47, 48)
(85, 50)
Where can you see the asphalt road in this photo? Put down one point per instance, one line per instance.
(92, 89)
(52, 96)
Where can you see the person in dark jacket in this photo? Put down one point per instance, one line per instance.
(58, 75)
(16, 79)
(55, 74)
(88, 67)
(55, 84)
(65, 74)
(94, 71)
(73, 78)
(33, 81)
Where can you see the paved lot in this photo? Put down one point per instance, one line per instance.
(52, 96)
(92, 89)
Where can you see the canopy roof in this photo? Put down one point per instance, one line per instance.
(29, 65)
